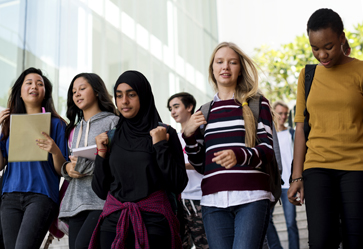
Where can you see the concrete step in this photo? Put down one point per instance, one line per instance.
(280, 224)
(57, 243)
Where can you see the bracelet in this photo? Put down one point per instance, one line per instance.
(100, 150)
(297, 179)
(64, 165)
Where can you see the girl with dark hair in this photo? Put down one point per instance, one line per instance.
(144, 162)
(31, 189)
(233, 154)
(90, 112)
(328, 167)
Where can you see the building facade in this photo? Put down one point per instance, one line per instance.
(169, 41)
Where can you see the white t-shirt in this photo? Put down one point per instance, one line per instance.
(286, 150)
(193, 190)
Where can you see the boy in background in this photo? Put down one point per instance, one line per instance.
(286, 141)
(181, 106)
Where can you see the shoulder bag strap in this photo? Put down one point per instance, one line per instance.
(205, 109)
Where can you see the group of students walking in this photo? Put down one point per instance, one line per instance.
(129, 196)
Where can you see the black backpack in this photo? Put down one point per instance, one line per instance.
(309, 76)
(274, 167)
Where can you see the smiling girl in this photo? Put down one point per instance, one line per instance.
(31, 189)
(233, 153)
(91, 112)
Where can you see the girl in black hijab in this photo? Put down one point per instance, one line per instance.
(144, 162)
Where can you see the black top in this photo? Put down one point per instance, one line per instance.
(135, 167)
(164, 169)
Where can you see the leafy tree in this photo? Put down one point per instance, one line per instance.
(355, 39)
(281, 67)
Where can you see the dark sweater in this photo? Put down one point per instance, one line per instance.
(225, 130)
(164, 169)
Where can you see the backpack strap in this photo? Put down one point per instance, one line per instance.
(276, 147)
(254, 105)
(292, 133)
(309, 77)
(274, 168)
(110, 135)
(205, 109)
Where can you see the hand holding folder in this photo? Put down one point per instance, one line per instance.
(25, 129)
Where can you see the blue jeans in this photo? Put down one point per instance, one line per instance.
(25, 219)
(292, 230)
(237, 227)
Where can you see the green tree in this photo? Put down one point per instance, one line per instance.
(355, 39)
(281, 67)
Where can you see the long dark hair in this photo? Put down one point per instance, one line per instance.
(16, 103)
(74, 114)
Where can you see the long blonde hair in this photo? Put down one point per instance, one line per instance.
(247, 88)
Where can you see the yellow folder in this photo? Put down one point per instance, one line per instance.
(25, 129)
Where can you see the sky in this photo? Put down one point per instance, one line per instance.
(251, 23)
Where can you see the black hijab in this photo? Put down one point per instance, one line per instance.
(134, 134)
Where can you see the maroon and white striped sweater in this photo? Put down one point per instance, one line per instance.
(226, 130)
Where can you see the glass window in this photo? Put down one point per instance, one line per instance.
(128, 54)
(181, 34)
(213, 19)
(113, 62)
(11, 44)
(159, 20)
(143, 64)
(160, 87)
(128, 8)
(63, 38)
(98, 45)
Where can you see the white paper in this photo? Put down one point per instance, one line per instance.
(86, 152)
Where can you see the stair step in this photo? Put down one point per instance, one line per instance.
(279, 221)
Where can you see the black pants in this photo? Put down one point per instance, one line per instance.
(26, 218)
(81, 228)
(331, 195)
(155, 241)
(157, 227)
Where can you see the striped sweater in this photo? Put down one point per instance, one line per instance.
(225, 130)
